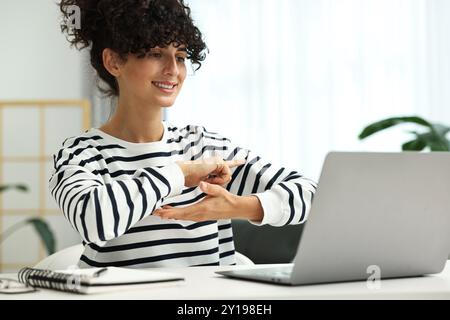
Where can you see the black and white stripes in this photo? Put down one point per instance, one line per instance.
(108, 188)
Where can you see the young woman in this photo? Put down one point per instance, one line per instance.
(142, 192)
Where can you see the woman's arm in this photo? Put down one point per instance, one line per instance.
(285, 196)
(102, 211)
(258, 191)
(219, 204)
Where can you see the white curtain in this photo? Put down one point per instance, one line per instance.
(294, 79)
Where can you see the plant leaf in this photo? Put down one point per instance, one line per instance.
(20, 187)
(438, 146)
(390, 122)
(439, 142)
(46, 234)
(434, 141)
(441, 130)
(414, 145)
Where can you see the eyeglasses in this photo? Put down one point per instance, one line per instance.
(10, 286)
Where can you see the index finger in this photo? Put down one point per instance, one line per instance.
(235, 163)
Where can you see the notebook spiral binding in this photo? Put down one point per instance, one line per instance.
(40, 278)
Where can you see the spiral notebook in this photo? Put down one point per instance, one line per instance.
(97, 280)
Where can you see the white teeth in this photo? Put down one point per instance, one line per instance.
(163, 86)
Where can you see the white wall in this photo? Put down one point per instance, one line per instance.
(36, 61)
(294, 79)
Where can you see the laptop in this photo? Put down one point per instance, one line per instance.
(374, 214)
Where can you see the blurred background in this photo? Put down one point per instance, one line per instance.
(289, 79)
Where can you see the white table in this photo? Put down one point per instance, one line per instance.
(203, 284)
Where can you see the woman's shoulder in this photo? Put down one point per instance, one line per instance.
(90, 136)
(77, 148)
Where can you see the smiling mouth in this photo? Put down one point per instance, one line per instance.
(165, 85)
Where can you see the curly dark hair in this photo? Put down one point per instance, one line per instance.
(131, 27)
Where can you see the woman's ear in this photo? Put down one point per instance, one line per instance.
(112, 62)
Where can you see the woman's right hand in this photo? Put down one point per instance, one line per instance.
(212, 170)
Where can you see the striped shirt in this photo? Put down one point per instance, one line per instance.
(108, 188)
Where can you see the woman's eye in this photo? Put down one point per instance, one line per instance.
(181, 59)
(155, 55)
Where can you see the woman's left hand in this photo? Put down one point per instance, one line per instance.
(219, 204)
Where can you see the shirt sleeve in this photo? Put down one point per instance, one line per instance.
(102, 211)
(285, 195)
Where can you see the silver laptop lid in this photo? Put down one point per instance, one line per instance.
(377, 212)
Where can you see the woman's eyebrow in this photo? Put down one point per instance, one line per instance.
(182, 49)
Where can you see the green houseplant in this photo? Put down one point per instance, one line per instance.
(41, 227)
(434, 137)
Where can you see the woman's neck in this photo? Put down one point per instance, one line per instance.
(135, 123)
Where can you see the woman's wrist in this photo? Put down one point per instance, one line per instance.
(182, 166)
(250, 208)
(186, 172)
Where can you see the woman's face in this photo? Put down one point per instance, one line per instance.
(155, 79)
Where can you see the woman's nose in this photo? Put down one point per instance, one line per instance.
(171, 67)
